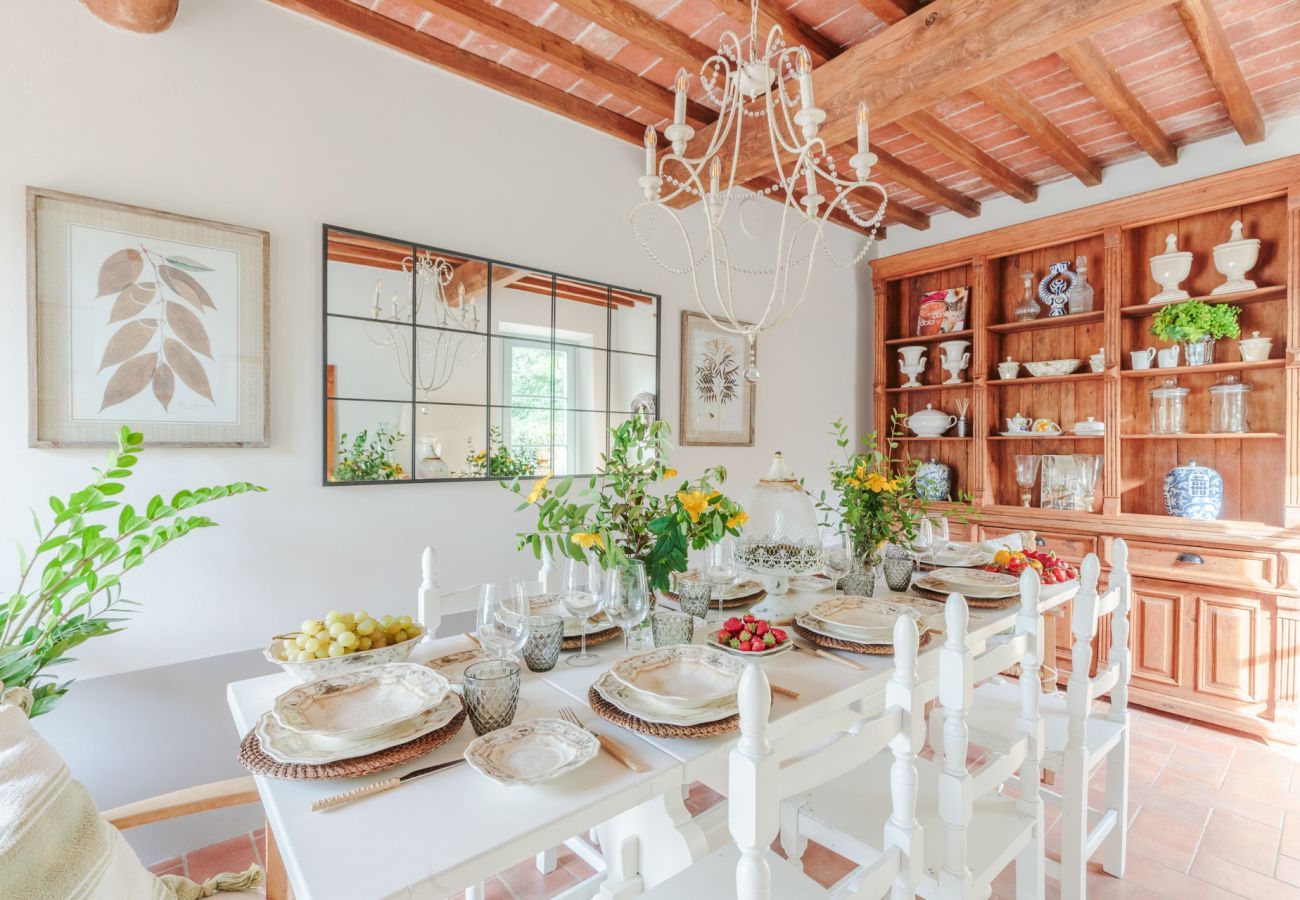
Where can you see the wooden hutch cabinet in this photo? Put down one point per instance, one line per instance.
(1216, 606)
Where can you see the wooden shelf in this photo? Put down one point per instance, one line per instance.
(1048, 322)
(1049, 437)
(909, 438)
(1272, 292)
(1207, 436)
(1046, 379)
(1198, 370)
(930, 338)
(927, 387)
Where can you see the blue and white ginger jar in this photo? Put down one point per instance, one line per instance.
(1194, 492)
(933, 480)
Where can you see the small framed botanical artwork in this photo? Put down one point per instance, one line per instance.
(145, 318)
(942, 312)
(717, 406)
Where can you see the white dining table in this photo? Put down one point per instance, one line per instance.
(439, 835)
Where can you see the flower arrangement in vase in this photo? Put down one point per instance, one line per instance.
(624, 511)
(1197, 325)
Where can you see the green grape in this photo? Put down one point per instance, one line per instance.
(346, 638)
(399, 637)
(363, 643)
(332, 616)
(337, 628)
(337, 650)
(305, 656)
(360, 615)
(322, 653)
(366, 626)
(311, 645)
(405, 622)
(349, 620)
(311, 626)
(323, 636)
(379, 640)
(301, 641)
(288, 646)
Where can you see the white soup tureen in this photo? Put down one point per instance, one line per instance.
(930, 422)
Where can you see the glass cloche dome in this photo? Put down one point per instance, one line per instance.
(781, 537)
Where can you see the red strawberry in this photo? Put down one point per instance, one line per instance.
(779, 634)
(724, 636)
(733, 644)
(749, 617)
(745, 636)
(732, 624)
(761, 628)
(769, 640)
(757, 645)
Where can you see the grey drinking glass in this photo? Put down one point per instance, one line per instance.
(898, 571)
(491, 694)
(669, 627)
(543, 648)
(693, 596)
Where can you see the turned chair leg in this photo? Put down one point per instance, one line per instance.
(792, 842)
(277, 882)
(1115, 847)
(1074, 828)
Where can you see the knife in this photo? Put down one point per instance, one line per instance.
(380, 786)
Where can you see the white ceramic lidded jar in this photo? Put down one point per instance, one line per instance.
(1255, 348)
(930, 422)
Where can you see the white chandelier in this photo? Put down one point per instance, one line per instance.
(438, 349)
(747, 72)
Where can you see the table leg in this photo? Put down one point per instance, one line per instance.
(649, 844)
(277, 881)
(547, 860)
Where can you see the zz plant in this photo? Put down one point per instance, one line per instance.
(70, 585)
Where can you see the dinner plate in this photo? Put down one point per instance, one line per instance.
(861, 619)
(453, 665)
(529, 753)
(745, 587)
(551, 603)
(815, 582)
(685, 676)
(360, 704)
(712, 641)
(970, 582)
(817, 626)
(957, 555)
(635, 703)
(294, 747)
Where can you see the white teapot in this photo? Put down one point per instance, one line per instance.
(930, 422)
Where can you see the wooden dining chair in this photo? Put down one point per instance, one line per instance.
(972, 829)
(774, 760)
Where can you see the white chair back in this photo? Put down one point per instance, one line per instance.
(432, 604)
(1089, 607)
(760, 776)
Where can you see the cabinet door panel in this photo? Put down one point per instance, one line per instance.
(1198, 565)
(1231, 649)
(1155, 633)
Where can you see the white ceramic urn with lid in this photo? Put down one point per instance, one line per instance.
(930, 422)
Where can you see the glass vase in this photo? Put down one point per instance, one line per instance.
(861, 580)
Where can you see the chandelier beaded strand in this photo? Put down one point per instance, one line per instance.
(738, 75)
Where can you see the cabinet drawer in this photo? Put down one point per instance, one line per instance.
(1070, 547)
(1197, 565)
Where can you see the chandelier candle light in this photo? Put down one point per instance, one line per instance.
(750, 71)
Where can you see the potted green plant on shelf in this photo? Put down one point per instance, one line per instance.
(70, 586)
(1196, 325)
(368, 460)
(624, 511)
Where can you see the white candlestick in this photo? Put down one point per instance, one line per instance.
(650, 140)
(679, 101)
(374, 303)
(715, 175)
(862, 127)
(810, 181)
(805, 79)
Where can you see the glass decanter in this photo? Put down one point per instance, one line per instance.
(1081, 295)
(1028, 307)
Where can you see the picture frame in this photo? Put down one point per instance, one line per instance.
(145, 318)
(717, 403)
(942, 312)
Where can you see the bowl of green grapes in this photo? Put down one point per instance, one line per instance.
(342, 642)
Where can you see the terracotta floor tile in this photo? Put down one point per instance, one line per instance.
(1153, 742)
(1144, 766)
(1207, 767)
(233, 855)
(824, 866)
(1233, 877)
(1173, 802)
(525, 881)
(1288, 870)
(1291, 835)
(1246, 843)
(173, 866)
(576, 865)
(1156, 876)
(1164, 838)
(1255, 810)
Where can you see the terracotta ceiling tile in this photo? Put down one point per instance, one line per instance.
(400, 11)
(1145, 30)
(532, 10)
(691, 17)
(617, 104)
(602, 42)
(525, 65)
(1280, 99)
(557, 78)
(853, 26)
(1232, 11)
(646, 117)
(1260, 19)
(447, 31)
(1280, 39)
(636, 59)
(485, 47)
(818, 12)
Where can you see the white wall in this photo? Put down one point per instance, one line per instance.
(247, 113)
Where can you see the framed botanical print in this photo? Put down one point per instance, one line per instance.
(144, 318)
(717, 407)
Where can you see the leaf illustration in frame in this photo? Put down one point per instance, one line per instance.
(127, 341)
(188, 328)
(164, 384)
(192, 265)
(119, 270)
(129, 379)
(185, 285)
(187, 368)
(132, 301)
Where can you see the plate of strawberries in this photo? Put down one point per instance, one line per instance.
(750, 636)
(1050, 567)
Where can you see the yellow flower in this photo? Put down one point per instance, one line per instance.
(852, 482)
(877, 483)
(860, 472)
(715, 494)
(893, 485)
(480, 456)
(694, 502)
(538, 487)
(738, 520)
(585, 540)
(670, 472)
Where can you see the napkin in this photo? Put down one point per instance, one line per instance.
(1011, 541)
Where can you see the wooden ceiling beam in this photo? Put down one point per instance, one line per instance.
(140, 16)
(1100, 77)
(393, 34)
(642, 29)
(891, 11)
(931, 129)
(1007, 99)
(905, 215)
(1211, 42)
(771, 14)
(909, 176)
(924, 58)
(547, 46)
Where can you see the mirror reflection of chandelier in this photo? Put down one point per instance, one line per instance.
(451, 340)
(737, 76)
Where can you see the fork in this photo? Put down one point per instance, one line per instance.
(609, 745)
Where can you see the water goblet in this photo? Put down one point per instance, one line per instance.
(491, 694)
(627, 601)
(938, 535)
(1026, 475)
(581, 597)
(693, 596)
(837, 559)
(503, 618)
(543, 648)
(669, 627)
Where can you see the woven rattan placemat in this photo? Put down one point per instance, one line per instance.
(611, 713)
(972, 602)
(831, 643)
(734, 603)
(594, 638)
(254, 760)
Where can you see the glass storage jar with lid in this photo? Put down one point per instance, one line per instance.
(1229, 406)
(1169, 408)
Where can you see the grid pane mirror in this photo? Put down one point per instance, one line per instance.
(440, 365)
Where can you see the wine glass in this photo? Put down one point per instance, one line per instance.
(626, 599)
(721, 568)
(581, 597)
(1026, 475)
(503, 618)
(937, 536)
(838, 557)
(1088, 467)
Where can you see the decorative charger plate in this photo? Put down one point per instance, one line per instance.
(529, 753)
(957, 555)
(743, 592)
(814, 582)
(452, 666)
(611, 713)
(593, 638)
(617, 694)
(809, 631)
(360, 704)
(295, 748)
(862, 619)
(972, 602)
(970, 583)
(682, 676)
